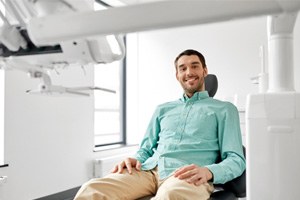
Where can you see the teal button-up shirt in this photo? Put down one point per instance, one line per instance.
(198, 130)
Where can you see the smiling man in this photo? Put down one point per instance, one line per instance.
(190, 72)
(189, 144)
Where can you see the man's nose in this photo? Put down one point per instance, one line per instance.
(189, 71)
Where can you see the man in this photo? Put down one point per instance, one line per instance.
(178, 156)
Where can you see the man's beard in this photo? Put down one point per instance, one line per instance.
(194, 89)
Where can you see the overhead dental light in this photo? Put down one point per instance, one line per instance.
(18, 51)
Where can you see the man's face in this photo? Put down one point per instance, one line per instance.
(190, 73)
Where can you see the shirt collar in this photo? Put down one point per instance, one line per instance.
(197, 96)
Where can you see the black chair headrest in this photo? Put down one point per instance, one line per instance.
(211, 84)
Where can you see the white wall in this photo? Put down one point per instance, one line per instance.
(48, 140)
(231, 50)
(43, 139)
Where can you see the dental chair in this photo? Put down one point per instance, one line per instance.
(235, 188)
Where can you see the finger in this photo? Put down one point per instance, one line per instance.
(185, 172)
(120, 167)
(114, 169)
(138, 165)
(184, 169)
(194, 179)
(128, 166)
(200, 181)
(187, 175)
(180, 171)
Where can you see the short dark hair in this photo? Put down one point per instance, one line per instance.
(190, 52)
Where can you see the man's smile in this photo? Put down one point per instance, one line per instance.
(191, 80)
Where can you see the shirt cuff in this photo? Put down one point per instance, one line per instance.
(217, 172)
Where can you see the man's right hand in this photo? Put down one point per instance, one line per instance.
(128, 163)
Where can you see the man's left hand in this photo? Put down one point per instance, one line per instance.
(194, 174)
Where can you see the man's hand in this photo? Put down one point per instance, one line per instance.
(194, 174)
(128, 163)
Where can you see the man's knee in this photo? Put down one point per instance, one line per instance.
(174, 188)
(168, 193)
(117, 186)
(171, 189)
(90, 190)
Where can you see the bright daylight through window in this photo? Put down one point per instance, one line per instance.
(109, 109)
(107, 121)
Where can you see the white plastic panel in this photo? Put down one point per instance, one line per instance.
(273, 145)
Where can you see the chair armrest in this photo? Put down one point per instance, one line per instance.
(237, 185)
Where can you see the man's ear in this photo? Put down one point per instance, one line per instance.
(205, 71)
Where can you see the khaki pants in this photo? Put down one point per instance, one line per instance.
(142, 183)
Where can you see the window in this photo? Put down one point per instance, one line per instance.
(108, 117)
(109, 120)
